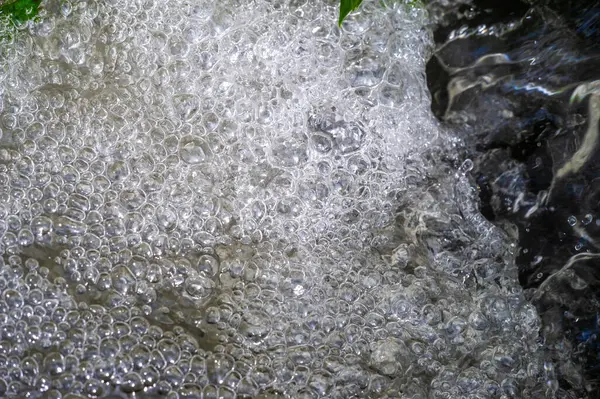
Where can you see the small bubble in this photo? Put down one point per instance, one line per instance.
(54, 363)
(466, 166)
(118, 171)
(132, 382)
(68, 227)
(186, 106)
(208, 265)
(94, 388)
(13, 298)
(192, 150)
(199, 287)
(26, 238)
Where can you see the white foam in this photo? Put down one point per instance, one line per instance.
(265, 189)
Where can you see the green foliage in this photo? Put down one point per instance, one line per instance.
(346, 7)
(415, 3)
(19, 11)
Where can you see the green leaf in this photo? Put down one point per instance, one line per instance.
(346, 7)
(415, 3)
(19, 11)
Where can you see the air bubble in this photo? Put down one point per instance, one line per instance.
(199, 287)
(68, 227)
(118, 171)
(192, 150)
(132, 382)
(54, 363)
(208, 265)
(186, 106)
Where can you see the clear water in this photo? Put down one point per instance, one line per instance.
(521, 82)
(239, 199)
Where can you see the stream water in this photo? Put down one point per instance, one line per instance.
(205, 199)
(521, 83)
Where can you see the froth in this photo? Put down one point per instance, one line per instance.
(240, 199)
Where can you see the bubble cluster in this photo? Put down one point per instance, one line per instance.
(233, 199)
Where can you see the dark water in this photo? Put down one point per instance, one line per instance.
(521, 83)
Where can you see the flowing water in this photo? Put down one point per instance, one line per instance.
(522, 83)
(204, 199)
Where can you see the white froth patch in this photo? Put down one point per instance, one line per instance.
(234, 198)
